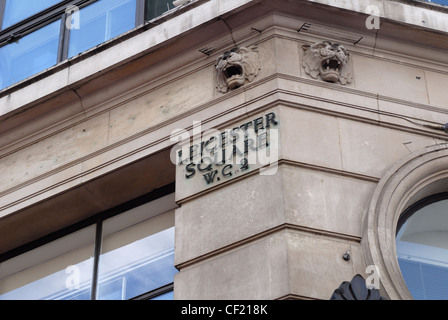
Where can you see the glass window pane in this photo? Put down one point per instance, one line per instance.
(422, 252)
(18, 10)
(137, 259)
(445, 2)
(155, 8)
(101, 21)
(59, 270)
(29, 55)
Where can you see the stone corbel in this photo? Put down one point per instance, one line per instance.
(328, 61)
(236, 67)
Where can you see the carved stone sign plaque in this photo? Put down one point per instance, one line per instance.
(214, 157)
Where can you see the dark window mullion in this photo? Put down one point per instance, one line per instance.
(63, 34)
(140, 12)
(155, 293)
(96, 258)
(2, 11)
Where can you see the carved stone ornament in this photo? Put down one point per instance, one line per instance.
(235, 67)
(356, 290)
(327, 60)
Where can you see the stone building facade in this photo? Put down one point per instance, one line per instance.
(289, 137)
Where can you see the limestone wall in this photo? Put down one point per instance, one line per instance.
(251, 236)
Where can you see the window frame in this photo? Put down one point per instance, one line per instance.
(49, 15)
(417, 206)
(155, 293)
(2, 11)
(410, 211)
(58, 12)
(36, 21)
(416, 176)
(97, 220)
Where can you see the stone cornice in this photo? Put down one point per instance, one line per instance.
(74, 79)
(157, 138)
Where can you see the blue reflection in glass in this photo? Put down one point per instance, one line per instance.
(29, 55)
(422, 252)
(54, 287)
(18, 10)
(444, 2)
(58, 270)
(138, 267)
(101, 21)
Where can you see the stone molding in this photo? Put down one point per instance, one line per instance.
(415, 177)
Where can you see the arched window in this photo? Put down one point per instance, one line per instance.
(422, 248)
(403, 208)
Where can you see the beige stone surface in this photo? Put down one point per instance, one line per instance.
(315, 264)
(36, 91)
(383, 77)
(256, 271)
(436, 83)
(31, 125)
(394, 112)
(53, 152)
(288, 59)
(310, 199)
(161, 104)
(371, 150)
(268, 57)
(260, 237)
(285, 264)
(310, 137)
(228, 215)
(323, 93)
(325, 201)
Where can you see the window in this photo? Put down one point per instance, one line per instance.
(444, 2)
(36, 35)
(138, 259)
(29, 55)
(155, 8)
(118, 257)
(422, 248)
(41, 273)
(18, 10)
(100, 22)
(410, 181)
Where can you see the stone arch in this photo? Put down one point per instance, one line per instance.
(413, 178)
